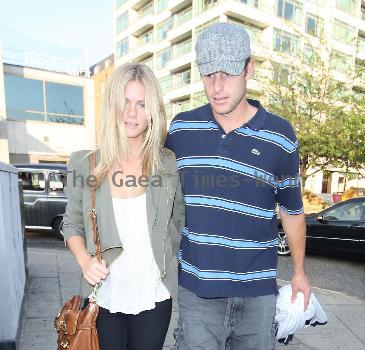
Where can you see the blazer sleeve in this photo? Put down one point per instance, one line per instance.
(177, 221)
(73, 221)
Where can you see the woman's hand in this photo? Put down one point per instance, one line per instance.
(94, 271)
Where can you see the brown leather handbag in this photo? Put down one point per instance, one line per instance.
(76, 327)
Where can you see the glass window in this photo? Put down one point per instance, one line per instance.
(182, 48)
(148, 62)
(314, 25)
(183, 16)
(289, 10)
(122, 22)
(163, 28)
(57, 182)
(32, 181)
(166, 83)
(340, 61)
(122, 48)
(204, 5)
(119, 3)
(24, 98)
(163, 57)
(286, 42)
(145, 38)
(251, 3)
(343, 32)
(161, 5)
(182, 78)
(64, 99)
(145, 10)
(347, 212)
(308, 54)
(255, 33)
(349, 6)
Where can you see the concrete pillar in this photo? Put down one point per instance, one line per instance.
(12, 262)
(4, 144)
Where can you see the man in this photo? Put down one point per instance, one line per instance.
(236, 162)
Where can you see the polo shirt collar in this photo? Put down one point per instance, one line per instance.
(257, 122)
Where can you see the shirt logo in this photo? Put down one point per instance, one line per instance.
(255, 151)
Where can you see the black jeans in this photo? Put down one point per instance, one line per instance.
(145, 331)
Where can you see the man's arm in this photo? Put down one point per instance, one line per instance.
(295, 230)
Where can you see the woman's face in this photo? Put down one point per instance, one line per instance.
(134, 114)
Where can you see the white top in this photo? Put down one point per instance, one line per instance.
(134, 282)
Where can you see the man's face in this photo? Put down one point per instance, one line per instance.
(225, 92)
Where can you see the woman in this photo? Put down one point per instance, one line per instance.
(139, 214)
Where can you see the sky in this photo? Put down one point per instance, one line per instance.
(80, 30)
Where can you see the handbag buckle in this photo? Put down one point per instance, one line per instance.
(64, 343)
(92, 214)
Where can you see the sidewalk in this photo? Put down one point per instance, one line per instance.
(54, 277)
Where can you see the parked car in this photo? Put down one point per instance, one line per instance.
(44, 197)
(338, 229)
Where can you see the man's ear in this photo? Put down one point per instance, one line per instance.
(250, 69)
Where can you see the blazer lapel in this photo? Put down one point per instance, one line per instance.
(153, 194)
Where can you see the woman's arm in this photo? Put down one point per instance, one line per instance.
(73, 223)
(92, 270)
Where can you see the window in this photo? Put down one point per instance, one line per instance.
(163, 57)
(281, 73)
(204, 5)
(183, 16)
(347, 212)
(340, 61)
(57, 182)
(145, 38)
(182, 48)
(145, 10)
(32, 181)
(166, 83)
(25, 100)
(182, 78)
(289, 10)
(148, 62)
(317, 2)
(251, 3)
(119, 3)
(255, 33)
(163, 28)
(314, 25)
(308, 54)
(122, 48)
(343, 32)
(199, 29)
(122, 22)
(349, 6)
(161, 5)
(286, 42)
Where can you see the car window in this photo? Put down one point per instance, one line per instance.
(57, 182)
(347, 212)
(33, 181)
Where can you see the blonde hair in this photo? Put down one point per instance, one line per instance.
(113, 142)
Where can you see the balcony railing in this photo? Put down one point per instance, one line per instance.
(181, 79)
(183, 17)
(145, 10)
(181, 49)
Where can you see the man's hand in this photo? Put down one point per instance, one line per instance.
(300, 283)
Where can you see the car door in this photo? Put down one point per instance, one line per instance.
(35, 196)
(336, 229)
(57, 199)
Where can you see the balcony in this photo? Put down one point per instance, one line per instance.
(181, 26)
(180, 62)
(144, 20)
(141, 52)
(177, 5)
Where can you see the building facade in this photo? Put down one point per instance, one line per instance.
(48, 114)
(162, 34)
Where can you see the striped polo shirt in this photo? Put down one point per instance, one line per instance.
(232, 184)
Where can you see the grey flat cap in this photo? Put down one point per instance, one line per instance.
(222, 47)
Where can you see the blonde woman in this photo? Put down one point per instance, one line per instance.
(139, 213)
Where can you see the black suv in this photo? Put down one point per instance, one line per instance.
(44, 197)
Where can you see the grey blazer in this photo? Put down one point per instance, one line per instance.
(165, 217)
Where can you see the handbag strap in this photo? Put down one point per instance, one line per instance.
(92, 211)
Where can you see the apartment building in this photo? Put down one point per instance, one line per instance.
(162, 34)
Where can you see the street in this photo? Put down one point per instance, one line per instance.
(336, 273)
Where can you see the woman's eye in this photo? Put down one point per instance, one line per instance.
(142, 105)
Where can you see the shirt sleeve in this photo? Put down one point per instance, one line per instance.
(288, 188)
(73, 221)
(169, 143)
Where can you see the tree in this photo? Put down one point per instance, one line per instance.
(324, 107)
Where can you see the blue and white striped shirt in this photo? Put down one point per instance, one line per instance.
(231, 185)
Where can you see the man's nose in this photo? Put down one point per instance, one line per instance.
(218, 83)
